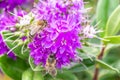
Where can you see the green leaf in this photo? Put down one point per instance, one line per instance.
(17, 45)
(84, 75)
(66, 75)
(27, 75)
(32, 75)
(104, 10)
(112, 40)
(13, 68)
(33, 66)
(113, 24)
(84, 65)
(110, 76)
(106, 66)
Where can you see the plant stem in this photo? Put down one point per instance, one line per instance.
(101, 53)
(96, 73)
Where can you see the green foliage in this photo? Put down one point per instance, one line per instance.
(18, 45)
(27, 75)
(104, 10)
(66, 75)
(112, 58)
(108, 17)
(106, 66)
(113, 24)
(110, 76)
(112, 40)
(33, 66)
(84, 65)
(13, 68)
(32, 75)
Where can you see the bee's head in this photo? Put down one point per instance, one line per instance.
(52, 55)
(41, 22)
(51, 58)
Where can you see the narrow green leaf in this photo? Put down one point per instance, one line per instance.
(104, 10)
(84, 65)
(106, 66)
(113, 24)
(13, 68)
(112, 40)
(102, 13)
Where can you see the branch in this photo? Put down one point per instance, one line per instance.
(100, 56)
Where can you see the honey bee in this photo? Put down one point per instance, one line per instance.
(36, 27)
(50, 66)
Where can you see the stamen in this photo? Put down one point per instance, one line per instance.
(101, 38)
(8, 34)
(22, 49)
(13, 49)
(9, 37)
(94, 45)
(16, 40)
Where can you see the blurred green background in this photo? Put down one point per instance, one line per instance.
(101, 11)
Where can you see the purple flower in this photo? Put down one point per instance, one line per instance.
(61, 35)
(8, 21)
(51, 10)
(11, 4)
(4, 49)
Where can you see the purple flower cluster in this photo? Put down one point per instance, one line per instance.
(61, 35)
(10, 4)
(6, 21)
(54, 10)
(4, 49)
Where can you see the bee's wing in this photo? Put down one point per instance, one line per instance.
(34, 30)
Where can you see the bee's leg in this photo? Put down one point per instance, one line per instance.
(30, 36)
(39, 36)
